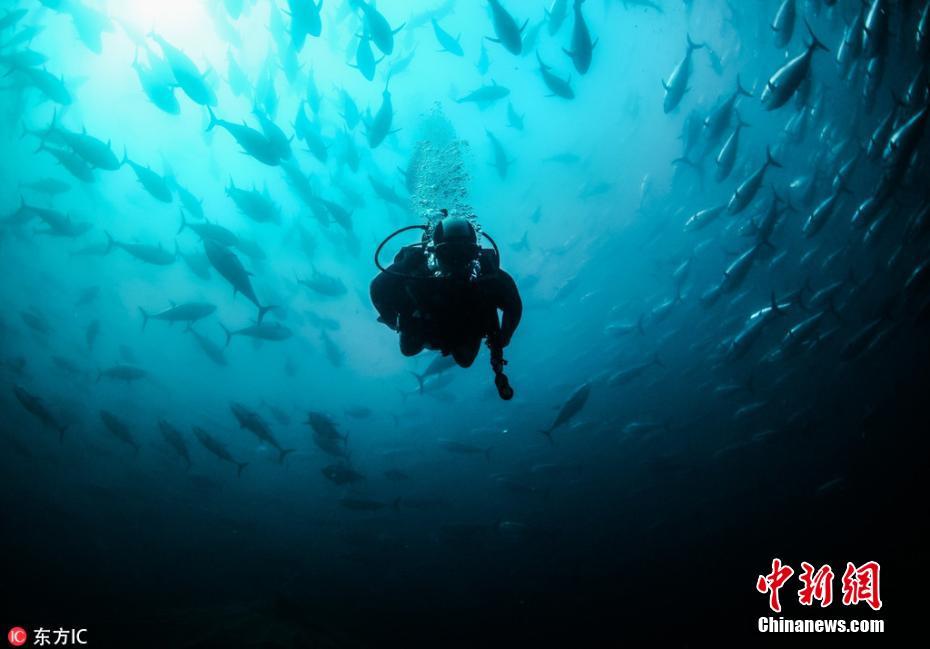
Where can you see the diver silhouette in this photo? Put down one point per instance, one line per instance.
(445, 292)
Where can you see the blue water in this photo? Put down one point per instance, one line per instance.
(698, 442)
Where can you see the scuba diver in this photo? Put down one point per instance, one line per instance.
(445, 292)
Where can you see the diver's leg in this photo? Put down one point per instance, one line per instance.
(411, 336)
(410, 343)
(465, 353)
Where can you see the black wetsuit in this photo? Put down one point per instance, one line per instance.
(449, 314)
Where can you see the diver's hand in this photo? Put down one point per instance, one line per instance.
(390, 323)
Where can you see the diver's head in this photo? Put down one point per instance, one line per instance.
(455, 246)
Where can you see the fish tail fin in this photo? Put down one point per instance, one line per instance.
(228, 334)
(283, 453)
(815, 42)
(687, 162)
(898, 103)
(239, 467)
(419, 378)
(740, 89)
(692, 45)
(777, 197)
(770, 160)
(832, 310)
(262, 310)
(806, 287)
(125, 157)
(183, 222)
(213, 121)
(777, 310)
(740, 121)
(145, 317)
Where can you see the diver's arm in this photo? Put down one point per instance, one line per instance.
(510, 304)
(389, 289)
(384, 289)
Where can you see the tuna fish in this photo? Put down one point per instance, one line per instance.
(379, 127)
(446, 41)
(152, 182)
(748, 189)
(582, 47)
(175, 440)
(557, 86)
(228, 265)
(218, 449)
(575, 403)
(505, 28)
(677, 84)
(36, 407)
(253, 422)
(119, 429)
(381, 33)
(189, 312)
(189, 78)
(788, 78)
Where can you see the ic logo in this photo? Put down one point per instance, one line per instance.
(17, 636)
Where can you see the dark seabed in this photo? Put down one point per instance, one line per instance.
(716, 213)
